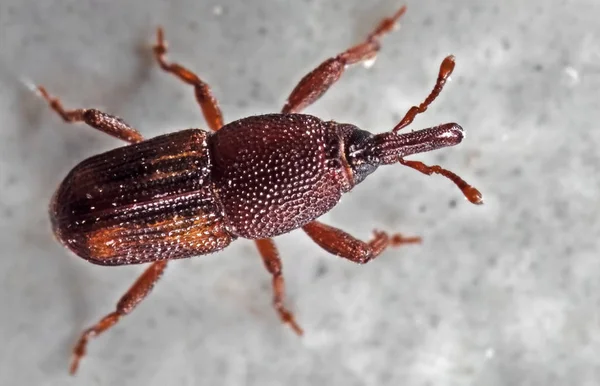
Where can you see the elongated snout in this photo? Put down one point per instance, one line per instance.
(386, 148)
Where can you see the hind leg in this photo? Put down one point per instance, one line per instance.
(109, 124)
(270, 256)
(134, 296)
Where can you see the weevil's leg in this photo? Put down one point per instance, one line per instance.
(138, 291)
(471, 193)
(208, 103)
(446, 69)
(340, 243)
(106, 123)
(319, 80)
(270, 256)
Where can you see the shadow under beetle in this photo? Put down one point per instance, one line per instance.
(193, 192)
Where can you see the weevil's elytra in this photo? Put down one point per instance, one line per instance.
(140, 203)
(195, 191)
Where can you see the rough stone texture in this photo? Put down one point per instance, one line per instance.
(503, 294)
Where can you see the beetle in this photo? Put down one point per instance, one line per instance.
(194, 191)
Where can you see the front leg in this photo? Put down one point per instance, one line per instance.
(319, 80)
(340, 243)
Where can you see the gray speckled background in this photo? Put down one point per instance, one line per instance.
(503, 294)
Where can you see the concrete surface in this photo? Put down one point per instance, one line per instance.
(503, 294)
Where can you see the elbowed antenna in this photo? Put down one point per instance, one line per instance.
(390, 148)
(428, 139)
(470, 192)
(446, 69)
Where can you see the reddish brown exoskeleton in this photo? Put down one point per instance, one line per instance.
(193, 192)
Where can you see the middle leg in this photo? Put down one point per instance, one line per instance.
(270, 256)
(208, 103)
(319, 80)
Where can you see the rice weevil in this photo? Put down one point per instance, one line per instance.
(194, 191)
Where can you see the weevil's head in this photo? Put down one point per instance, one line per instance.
(363, 152)
(354, 138)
